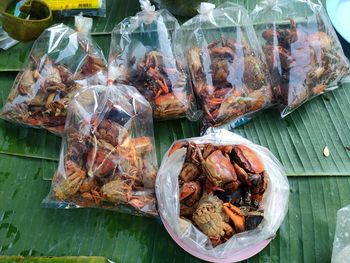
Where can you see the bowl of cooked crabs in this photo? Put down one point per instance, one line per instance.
(221, 197)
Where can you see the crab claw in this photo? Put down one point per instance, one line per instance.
(93, 195)
(215, 240)
(251, 180)
(140, 202)
(212, 187)
(241, 174)
(189, 189)
(137, 203)
(234, 213)
(164, 87)
(248, 159)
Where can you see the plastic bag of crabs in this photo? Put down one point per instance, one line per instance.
(302, 50)
(142, 55)
(341, 244)
(227, 66)
(108, 157)
(221, 197)
(60, 62)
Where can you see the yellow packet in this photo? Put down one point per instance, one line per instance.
(56, 5)
(71, 8)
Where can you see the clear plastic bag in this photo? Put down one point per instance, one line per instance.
(142, 55)
(6, 41)
(266, 182)
(108, 157)
(60, 62)
(302, 49)
(66, 8)
(228, 69)
(341, 245)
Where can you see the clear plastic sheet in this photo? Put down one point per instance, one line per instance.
(108, 157)
(60, 62)
(228, 69)
(274, 202)
(142, 55)
(302, 49)
(6, 41)
(341, 245)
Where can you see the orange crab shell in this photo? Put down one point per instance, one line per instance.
(142, 145)
(219, 169)
(248, 159)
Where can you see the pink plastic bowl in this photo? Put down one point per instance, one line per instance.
(237, 257)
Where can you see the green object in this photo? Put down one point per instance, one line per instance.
(27, 229)
(20, 141)
(20, 259)
(16, 24)
(187, 8)
(190, 8)
(11, 259)
(15, 9)
(306, 235)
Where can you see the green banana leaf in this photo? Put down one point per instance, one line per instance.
(21, 141)
(27, 229)
(319, 185)
(20, 259)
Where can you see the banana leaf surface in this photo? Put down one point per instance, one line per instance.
(319, 185)
(29, 259)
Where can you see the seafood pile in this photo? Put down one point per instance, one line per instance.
(221, 188)
(55, 71)
(162, 83)
(227, 66)
(108, 158)
(303, 62)
(143, 55)
(302, 50)
(230, 79)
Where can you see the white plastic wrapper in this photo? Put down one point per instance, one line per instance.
(61, 61)
(274, 202)
(341, 245)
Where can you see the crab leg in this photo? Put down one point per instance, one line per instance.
(234, 214)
